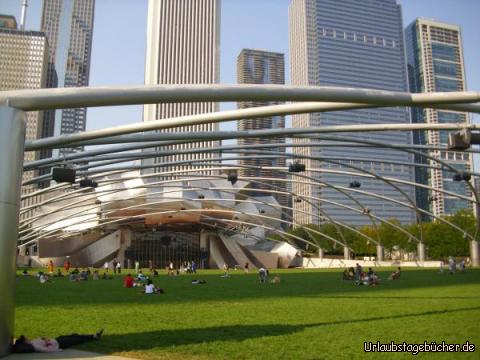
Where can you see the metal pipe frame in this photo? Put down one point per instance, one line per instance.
(314, 181)
(355, 174)
(324, 159)
(29, 220)
(371, 194)
(379, 144)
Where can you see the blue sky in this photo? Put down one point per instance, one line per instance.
(120, 30)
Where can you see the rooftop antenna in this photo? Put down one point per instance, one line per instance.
(24, 14)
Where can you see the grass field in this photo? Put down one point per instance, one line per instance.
(309, 315)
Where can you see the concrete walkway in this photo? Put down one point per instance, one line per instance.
(66, 354)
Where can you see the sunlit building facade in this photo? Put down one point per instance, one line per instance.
(435, 64)
(23, 65)
(183, 47)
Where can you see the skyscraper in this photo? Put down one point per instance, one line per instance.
(351, 43)
(68, 25)
(183, 47)
(23, 65)
(262, 67)
(435, 63)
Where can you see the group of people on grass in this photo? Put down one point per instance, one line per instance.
(141, 281)
(116, 266)
(370, 278)
(452, 265)
(263, 273)
(185, 267)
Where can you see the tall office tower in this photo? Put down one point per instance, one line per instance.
(351, 43)
(183, 47)
(262, 67)
(435, 63)
(68, 25)
(23, 65)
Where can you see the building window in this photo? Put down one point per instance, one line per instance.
(444, 68)
(444, 52)
(442, 84)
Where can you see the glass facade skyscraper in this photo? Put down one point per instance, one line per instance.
(262, 67)
(351, 43)
(435, 64)
(68, 25)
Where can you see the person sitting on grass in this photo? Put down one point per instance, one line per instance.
(262, 275)
(362, 279)
(43, 278)
(396, 274)
(59, 273)
(375, 280)
(151, 289)
(348, 274)
(128, 281)
(25, 273)
(46, 345)
(84, 275)
(73, 276)
(105, 276)
(95, 275)
(141, 276)
(365, 279)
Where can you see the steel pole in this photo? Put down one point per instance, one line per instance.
(421, 251)
(380, 252)
(12, 139)
(474, 253)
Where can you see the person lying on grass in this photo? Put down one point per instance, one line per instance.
(45, 345)
(151, 289)
(198, 282)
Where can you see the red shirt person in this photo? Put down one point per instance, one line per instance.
(66, 265)
(128, 281)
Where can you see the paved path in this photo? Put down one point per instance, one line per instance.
(66, 354)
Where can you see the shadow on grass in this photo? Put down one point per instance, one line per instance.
(180, 337)
(180, 290)
(381, 297)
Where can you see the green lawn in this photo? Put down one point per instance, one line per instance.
(310, 315)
